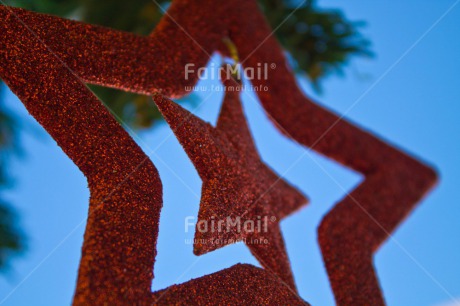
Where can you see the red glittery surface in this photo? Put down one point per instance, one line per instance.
(120, 239)
(236, 183)
(126, 192)
(238, 285)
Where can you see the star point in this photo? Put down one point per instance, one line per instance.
(242, 198)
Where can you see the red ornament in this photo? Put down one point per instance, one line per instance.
(241, 197)
(46, 60)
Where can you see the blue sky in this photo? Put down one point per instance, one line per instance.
(409, 95)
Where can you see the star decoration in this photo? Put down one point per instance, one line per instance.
(241, 284)
(45, 60)
(237, 185)
(125, 189)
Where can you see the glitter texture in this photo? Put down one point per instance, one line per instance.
(120, 239)
(125, 189)
(238, 285)
(236, 184)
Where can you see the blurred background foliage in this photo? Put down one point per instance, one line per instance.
(318, 43)
(11, 238)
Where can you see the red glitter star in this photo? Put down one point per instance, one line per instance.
(239, 285)
(238, 188)
(125, 189)
(349, 235)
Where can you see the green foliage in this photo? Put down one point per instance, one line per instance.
(137, 111)
(11, 240)
(318, 42)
